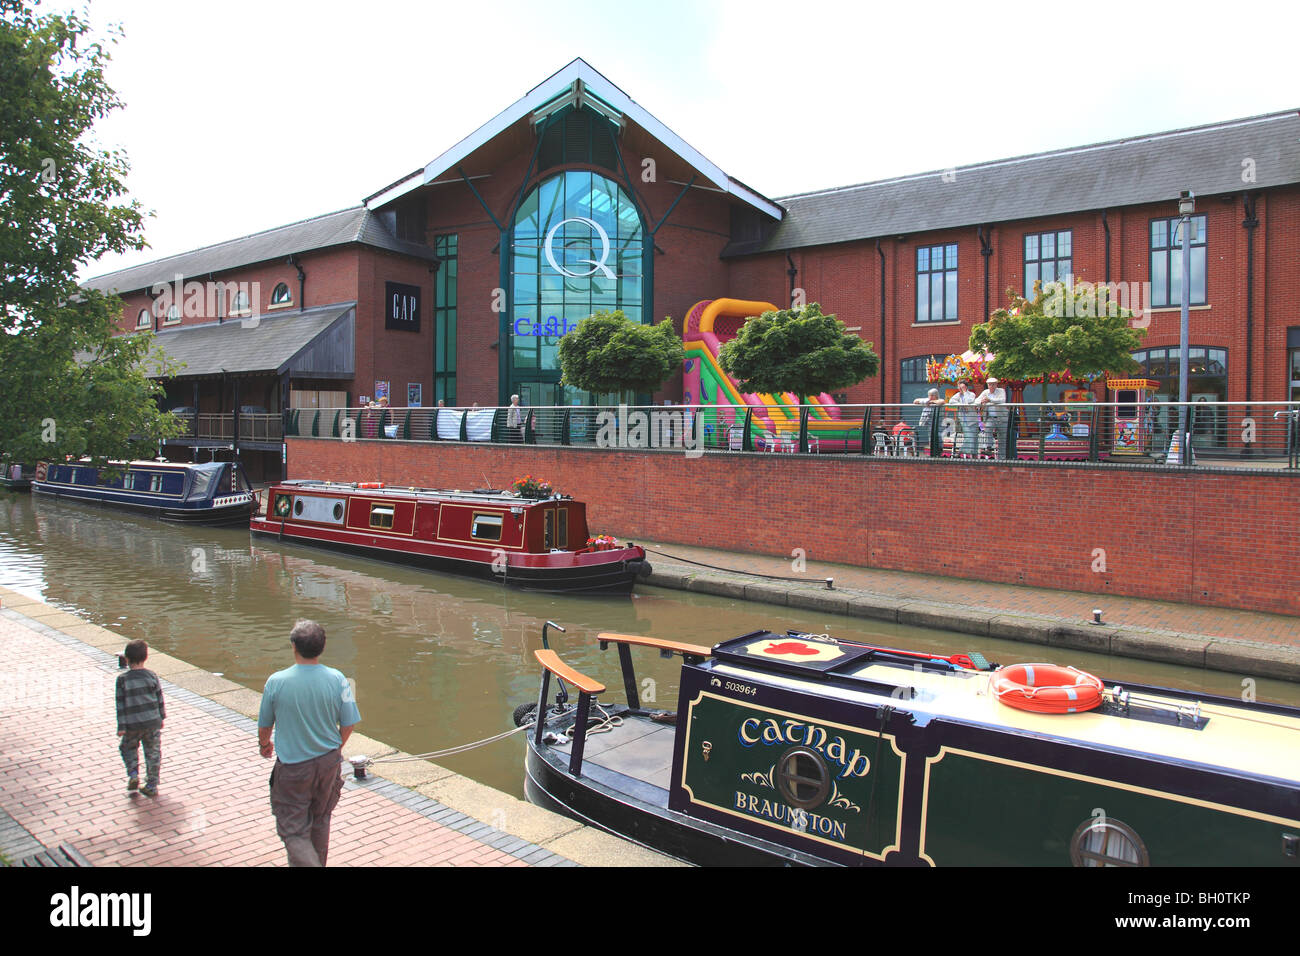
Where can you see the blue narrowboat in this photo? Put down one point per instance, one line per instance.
(216, 493)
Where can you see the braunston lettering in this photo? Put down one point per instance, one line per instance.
(805, 821)
(772, 732)
(73, 909)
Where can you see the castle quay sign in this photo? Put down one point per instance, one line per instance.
(401, 307)
(597, 265)
(550, 328)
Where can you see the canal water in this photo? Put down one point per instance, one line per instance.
(438, 660)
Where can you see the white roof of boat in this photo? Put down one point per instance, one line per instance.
(346, 487)
(1238, 738)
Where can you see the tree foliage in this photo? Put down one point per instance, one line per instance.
(803, 351)
(608, 352)
(62, 207)
(1080, 330)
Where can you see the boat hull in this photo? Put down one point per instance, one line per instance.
(231, 515)
(615, 576)
(643, 820)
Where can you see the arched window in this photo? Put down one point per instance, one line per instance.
(280, 295)
(576, 248)
(240, 303)
(173, 315)
(142, 321)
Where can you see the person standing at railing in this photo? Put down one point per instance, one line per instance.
(990, 401)
(515, 420)
(931, 401)
(967, 421)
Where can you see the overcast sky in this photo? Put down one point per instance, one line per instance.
(242, 115)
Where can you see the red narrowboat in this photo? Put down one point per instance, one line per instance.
(535, 544)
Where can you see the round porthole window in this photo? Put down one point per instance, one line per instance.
(1105, 841)
(297, 507)
(802, 778)
(338, 511)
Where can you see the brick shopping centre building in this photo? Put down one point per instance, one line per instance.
(455, 282)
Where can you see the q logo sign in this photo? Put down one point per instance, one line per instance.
(597, 265)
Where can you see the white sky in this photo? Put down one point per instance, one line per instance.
(247, 114)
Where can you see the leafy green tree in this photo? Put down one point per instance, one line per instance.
(1080, 330)
(802, 351)
(59, 210)
(608, 352)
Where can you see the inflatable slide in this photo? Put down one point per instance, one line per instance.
(709, 325)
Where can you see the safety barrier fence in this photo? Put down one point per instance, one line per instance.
(252, 426)
(1251, 434)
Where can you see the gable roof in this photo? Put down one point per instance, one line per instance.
(357, 224)
(1125, 172)
(576, 72)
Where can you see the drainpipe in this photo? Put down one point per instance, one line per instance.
(791, 272)
(1250, 223)
(302, 280)
(884, 366)
(986, 250)
(1106, 228)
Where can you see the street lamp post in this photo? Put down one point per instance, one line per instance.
(1186, 206)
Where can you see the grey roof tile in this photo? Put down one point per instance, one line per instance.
(357, 224)
(1138, 170)
(266, 345)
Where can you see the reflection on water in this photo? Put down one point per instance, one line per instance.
(438, 660)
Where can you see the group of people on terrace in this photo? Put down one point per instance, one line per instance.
(969, 406)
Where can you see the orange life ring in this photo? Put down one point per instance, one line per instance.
(1047, 688)
(371, 484)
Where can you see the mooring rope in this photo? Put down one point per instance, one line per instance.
(463, 748)
(714, 567)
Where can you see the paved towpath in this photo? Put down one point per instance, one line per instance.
(62, 779)
(1153, 630)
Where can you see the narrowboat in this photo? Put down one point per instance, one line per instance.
(798, 749)
(534, 544)
(213, 493)
(15, 477)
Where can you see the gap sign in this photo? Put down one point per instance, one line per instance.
(401, 307)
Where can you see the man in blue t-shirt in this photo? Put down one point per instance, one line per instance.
(312, 709)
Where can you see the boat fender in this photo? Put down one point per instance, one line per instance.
(524, 714)
(1046, 688)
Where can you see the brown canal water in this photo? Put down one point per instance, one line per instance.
(438, 660)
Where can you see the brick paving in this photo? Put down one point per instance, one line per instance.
(62, 779)
(1075, 606)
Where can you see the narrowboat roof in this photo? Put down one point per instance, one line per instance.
(1260, 741)
(145, 463)
(479, 495)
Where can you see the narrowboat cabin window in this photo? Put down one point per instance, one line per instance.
(297, 510)
(155, 482)
(1104, 841)
(486, 527)
(381, 516)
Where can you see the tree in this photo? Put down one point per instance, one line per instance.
(608, 352)
(801, 351)
(59, 210)
(1082, 331)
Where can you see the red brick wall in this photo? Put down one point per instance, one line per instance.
(1215, 539)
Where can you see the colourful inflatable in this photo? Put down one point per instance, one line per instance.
(709, 325)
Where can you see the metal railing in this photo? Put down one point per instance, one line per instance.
(1255, 434)
(221, 425)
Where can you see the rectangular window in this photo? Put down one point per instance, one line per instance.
(444, 322)
(381, 516)
(486, 527)
(155, 483)
(936, 283)
(1167, 261)
(556, 528)
(1048, 258)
